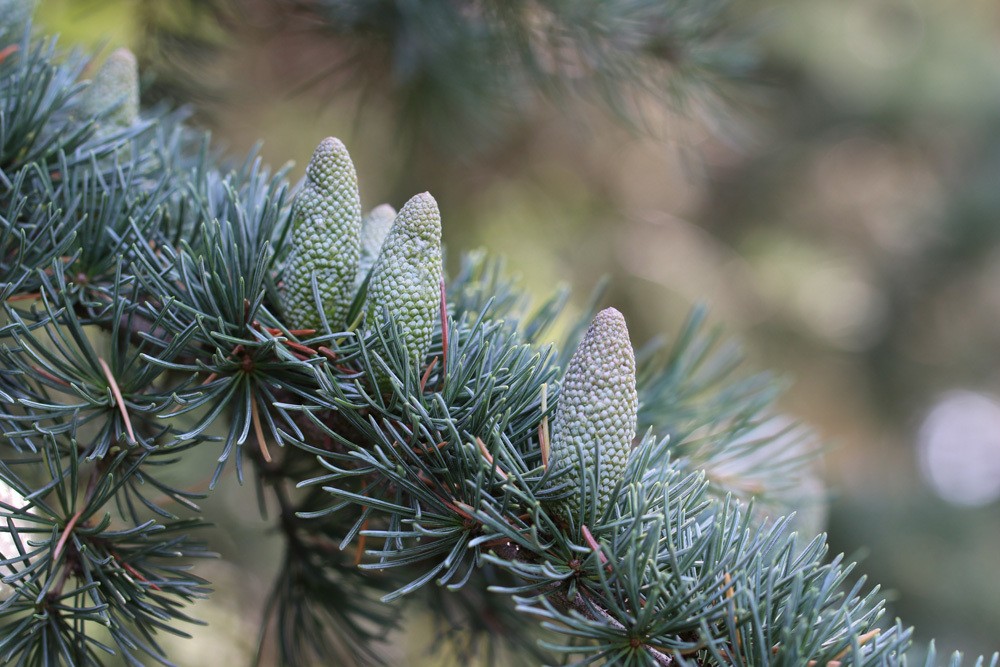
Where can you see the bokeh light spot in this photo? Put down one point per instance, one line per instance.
(959, 447)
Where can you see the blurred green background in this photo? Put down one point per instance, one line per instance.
(839, 211)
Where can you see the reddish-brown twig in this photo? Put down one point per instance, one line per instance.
(489, 457)
(259, 431)
(116, 392)
(24, 297)
(362, 539)
(65, 534)
(543, 429)
(8, 51)
(132, 571)
(592, 543)
(427, 374)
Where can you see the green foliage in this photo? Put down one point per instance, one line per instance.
(465, 73)
(448, 64)
(144, 319)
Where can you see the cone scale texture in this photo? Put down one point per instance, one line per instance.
(595, 421)
(374, 228)
(326, 243)
(406, 278)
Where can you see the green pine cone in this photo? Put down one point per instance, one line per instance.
(326, 241)
(596, 415)
(115, 84)
(406, 278)
(374, 228)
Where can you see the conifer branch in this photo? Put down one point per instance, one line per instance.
(156, 300)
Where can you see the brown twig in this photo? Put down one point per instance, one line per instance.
(49, 376)
(132, 571)
(118, 399)
(332, 357)
(423, 449)
(543, 429)
(461, 509)
(730, 593)
(65, 534)
(362, 539)
(592, 543)
(87, 496)
(259, 431)
(489, 458)
(299, 347)
(8, 51)
(427, 374)
(862, 640)
(30, 295)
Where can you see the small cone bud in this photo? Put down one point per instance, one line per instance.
(596, 415)
(406, 278)
(374, 228)
(326, 241)
(116, 85)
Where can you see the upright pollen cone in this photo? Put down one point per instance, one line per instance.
(114, 86)
(326, 241)
(374, 228)
(595, 419)
(406, 278)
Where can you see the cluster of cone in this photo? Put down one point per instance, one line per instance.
(334, 250)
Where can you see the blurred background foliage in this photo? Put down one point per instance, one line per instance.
(825, 174)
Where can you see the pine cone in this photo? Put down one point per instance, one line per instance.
(406, 278)
(596, 415)
(374, 228)
(116, 84)
(326, 240)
